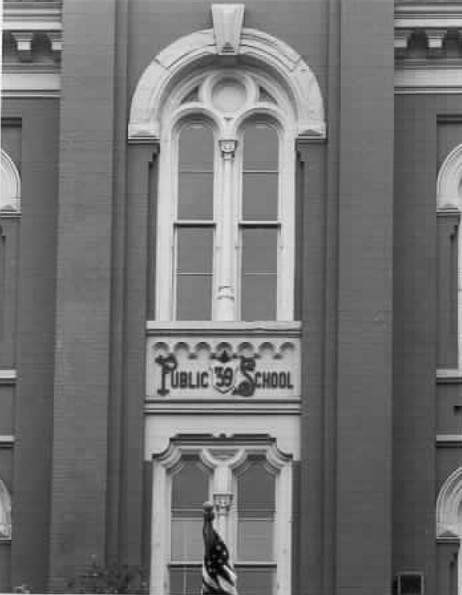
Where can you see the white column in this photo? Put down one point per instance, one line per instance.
(226, 297)
(222, 499)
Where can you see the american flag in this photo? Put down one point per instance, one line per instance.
(218, 576)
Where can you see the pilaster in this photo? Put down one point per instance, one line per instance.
(364, 367)
(83, 298)
(310, 246)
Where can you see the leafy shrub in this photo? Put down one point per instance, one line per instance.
(114, 578)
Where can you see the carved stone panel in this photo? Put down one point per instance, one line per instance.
(226, 367)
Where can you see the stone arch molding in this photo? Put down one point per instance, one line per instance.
(449, 183)
(10, 185)
(448, 506)
(201, 49)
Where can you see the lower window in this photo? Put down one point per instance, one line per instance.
(250, 487)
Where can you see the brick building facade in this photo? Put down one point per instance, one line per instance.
(230, 270)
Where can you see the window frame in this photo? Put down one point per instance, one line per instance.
(278, 115)
(449, 201)
(164, 468)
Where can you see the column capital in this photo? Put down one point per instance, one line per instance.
(228, 148)
(222, 502)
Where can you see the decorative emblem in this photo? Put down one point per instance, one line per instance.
(223, 373)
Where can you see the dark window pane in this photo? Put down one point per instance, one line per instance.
(256, 581)
(260, 190)
(447, 290)
(260, 196)
(195, 195)
(258, 297)
(256, 491)
(259, 250)
(259, 274)
(195, 180)
(255, 540)
(187, 543)
(194, 297)
(194, 273)
(189, 492)
(195, 250)
(189, 487)
(196, 147)
(260, 147)
(185, 581)
(255, 504)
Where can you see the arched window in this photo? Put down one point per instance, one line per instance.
(10, 211)
(225, 247)
(250, 486)
(5, 513)
(10, 186)
(449, 515)
(449, 206)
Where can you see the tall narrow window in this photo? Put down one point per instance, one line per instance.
(255, 542)
(259, 223)
(189, 491)
(225, 238)
(194, 223)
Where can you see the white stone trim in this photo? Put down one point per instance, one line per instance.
(222, 486)
(262, 407)
(36, 16)
(7, 441)
(449, 197)
(449, 181)
(425, 79)
(227, 25)
(284, 429)
(182, 56)
(31, 82)
(449, 513)
(8, 376)
(446, 374)
(214, 327)
(10, 184)
(5, 513)
(449, 439)
(423, 16)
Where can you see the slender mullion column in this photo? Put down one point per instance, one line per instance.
(226, 290)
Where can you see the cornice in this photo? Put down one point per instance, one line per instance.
(428, 47)
(32, 34)
(432, 22)
(43, 15)
(438, 13)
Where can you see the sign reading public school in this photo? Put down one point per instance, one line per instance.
(231, 368)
